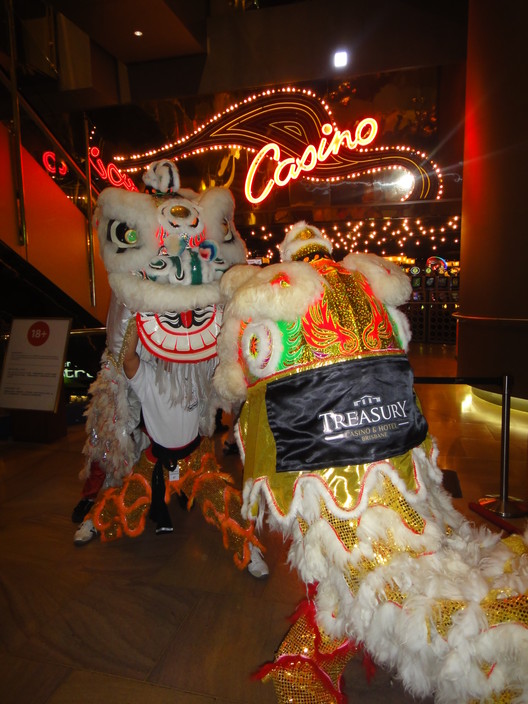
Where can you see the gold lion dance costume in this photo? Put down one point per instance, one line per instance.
(338, 456)
(165, 252)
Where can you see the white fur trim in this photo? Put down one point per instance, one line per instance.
(218, 206)
(139, 212)
(400, 326)
(109, 425)
(463, 566)
(229, 380)
(235, 277)
(293, 243)
(261, 297)
(162, 176)
(388, 282)
(268, 339)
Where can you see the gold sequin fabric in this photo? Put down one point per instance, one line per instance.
(309, 664)
(513, 609)
(122, 511)
(499, 607)
(508, 696)
(347, 322)
(201, 481)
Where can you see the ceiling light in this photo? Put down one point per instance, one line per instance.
(138, 33)
(340, 59)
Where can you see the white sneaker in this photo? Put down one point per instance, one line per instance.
(86, 532)
(257, 567)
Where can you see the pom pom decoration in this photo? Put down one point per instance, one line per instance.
(162, 177)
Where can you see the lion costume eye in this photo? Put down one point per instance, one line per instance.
(262, 347)
(121, 234)
(180, 211)
(228, 233)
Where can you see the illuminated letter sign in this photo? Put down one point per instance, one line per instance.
(290, 134)
(291, 168)
(110, 173)
(50, 164)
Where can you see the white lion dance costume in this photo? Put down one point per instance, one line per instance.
(165, 252)
(337, 454)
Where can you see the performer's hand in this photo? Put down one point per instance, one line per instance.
(131, 357)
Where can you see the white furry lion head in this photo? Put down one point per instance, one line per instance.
(166, 249)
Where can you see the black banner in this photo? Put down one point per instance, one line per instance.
(346, 413)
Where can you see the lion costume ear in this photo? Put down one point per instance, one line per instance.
(304, 242)
(162, 177)
(388, 282)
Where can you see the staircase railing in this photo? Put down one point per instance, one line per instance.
(83, 176)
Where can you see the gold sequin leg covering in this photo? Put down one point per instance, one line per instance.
(203, 482)
(309, 664)
(123, 510)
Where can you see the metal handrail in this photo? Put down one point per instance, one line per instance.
(47, 132)
(88, 331)
(487, 319)
(82, 332)
(84, 176)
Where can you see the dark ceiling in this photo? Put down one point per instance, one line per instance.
(77, 57)
(87, 55)
(191, 47)
(169, 28)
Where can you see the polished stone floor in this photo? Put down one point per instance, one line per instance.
(169, 619)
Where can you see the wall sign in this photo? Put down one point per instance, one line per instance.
(34, 362)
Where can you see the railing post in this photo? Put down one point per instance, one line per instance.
(505, 438)
(89, 213)
(504, 505)
(16, 140)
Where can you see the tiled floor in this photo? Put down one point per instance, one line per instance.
(168, 619)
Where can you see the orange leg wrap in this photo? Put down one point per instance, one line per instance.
(123, 510)
(203, 483)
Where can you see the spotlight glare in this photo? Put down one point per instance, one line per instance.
(340, 59)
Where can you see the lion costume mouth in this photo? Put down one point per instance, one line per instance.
(189, 336)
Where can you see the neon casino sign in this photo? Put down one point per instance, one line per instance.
(291, 168)
(109, 172)
(50, 164)
(293, 136)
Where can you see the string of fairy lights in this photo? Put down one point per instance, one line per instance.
(403, 238)
(406, 239)
(161, 151)
(238, 124)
